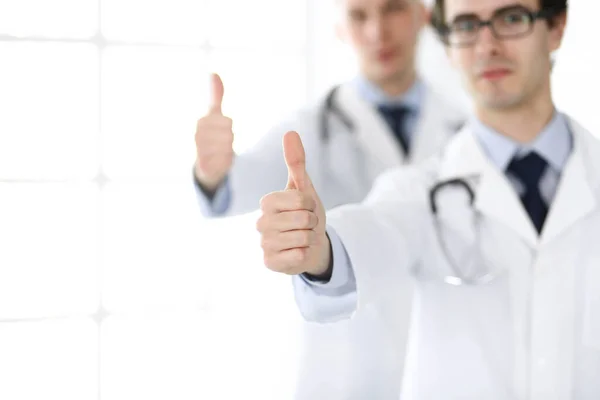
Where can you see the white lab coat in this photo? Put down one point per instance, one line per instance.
(338, 361)
(532, 333)
(345, 169)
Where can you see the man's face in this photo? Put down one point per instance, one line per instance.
(383, 34)
(503, 73)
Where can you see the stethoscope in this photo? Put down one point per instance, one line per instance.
(330, 109)
(457, 277)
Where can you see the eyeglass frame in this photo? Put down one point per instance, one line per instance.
(544, 13)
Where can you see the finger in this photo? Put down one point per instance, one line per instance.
(214, 145)
(289, 200)
(217, 91)
(216, 153)
(295, 159)
(287, 221)
(287, 261)
(273, 241)
(214, 163)
(212, 122)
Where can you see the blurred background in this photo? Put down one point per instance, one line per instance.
(112, 286)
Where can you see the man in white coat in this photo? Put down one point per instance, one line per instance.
(396, 118)
(502, 269)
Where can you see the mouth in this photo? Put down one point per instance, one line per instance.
(386, 55)
(494, 74)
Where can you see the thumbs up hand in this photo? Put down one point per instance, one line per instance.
(214, 141)
(292, 224)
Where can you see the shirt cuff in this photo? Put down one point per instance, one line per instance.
(342, 274)
(220, 201)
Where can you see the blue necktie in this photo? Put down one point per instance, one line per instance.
(529, 171)
(395, 116)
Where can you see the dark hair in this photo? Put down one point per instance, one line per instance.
(439, 24)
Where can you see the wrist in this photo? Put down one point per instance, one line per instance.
(325, 267)
(208, 186)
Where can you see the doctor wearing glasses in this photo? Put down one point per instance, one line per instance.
(494, 246)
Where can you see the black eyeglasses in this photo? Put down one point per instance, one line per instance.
(506, 23)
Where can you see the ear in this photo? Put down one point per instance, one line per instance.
(557, 32)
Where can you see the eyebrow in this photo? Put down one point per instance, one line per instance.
(459, 17)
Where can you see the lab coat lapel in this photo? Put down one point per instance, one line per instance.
(438, 122)
(576, 194)
(373, 134)
(495, 198)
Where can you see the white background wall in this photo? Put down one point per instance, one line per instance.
(111, 285)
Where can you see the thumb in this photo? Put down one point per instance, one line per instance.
(216, 94)
(295, 159)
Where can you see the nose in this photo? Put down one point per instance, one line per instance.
(374, 28)
(487, 43)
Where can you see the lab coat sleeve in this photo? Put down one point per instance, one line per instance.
(382, 240)
(332, 300)
(219, 204)
(384, 236)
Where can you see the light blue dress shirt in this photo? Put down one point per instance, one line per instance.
(554, 144)
(372, 94)
(219, 203)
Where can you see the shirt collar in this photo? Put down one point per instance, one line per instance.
(374, 95)
(554, 143)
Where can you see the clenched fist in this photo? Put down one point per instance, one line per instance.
(292, 224)
(214, 141)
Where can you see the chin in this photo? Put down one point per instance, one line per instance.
(389, 71)
(497, 95)
(500, 102)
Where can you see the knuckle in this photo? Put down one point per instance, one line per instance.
(260, 224)
(305, 219)
(305, 238)
(268, 261)
(272, 262)
(299, 257)
(314, 220)
(264, 201)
